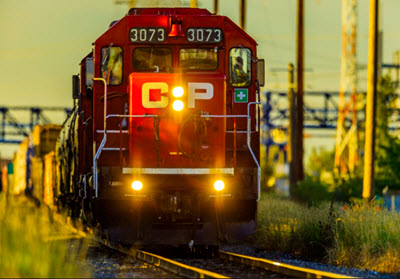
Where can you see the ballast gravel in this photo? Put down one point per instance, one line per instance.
(293, 260)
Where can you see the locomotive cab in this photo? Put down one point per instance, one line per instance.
(168, 129)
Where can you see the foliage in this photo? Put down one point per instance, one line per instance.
(24, 247)
(357, 235)
(387, 164)
(312, 191)
(346, 190)
(321, 162)
(290, 227)
(367, 237)
(266, 168)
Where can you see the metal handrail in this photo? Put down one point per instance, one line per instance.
(95, 172)
(248, 132)
(103, 142)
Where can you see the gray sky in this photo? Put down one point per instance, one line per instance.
(42, 42)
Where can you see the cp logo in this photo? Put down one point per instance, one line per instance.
(196, 91)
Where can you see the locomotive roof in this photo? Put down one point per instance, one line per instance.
(169, 11)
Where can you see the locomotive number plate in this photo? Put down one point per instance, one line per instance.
(147, 34)
(204, 35)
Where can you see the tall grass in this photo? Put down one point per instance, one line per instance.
(290, 227)
(360, 235)
(25, 249)
(367, 237)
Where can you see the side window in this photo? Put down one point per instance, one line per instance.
(89, 71)
(111, 65)
(240, 66)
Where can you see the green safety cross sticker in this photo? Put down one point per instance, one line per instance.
(241, 95)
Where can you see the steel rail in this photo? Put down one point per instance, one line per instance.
(175, 267)
(166, 264)
(281, 268)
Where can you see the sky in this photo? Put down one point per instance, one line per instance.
(43, 41)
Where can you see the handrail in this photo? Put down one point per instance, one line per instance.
(95, 172)
(248, 140)
(103, 142)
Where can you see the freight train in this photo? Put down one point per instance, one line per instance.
(163, 144)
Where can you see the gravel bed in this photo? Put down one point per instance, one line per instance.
(108, 263)
(293, 260)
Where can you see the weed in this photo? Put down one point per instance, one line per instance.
(355, 235)
(24, 247)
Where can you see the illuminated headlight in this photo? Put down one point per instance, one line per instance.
(219, 185)
(137, 185)
(177, 92)
(177, 105)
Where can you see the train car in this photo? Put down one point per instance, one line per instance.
(163, 147)
(28, 161)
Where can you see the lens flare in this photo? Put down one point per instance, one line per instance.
(219, 185)
(177, 92)
(178, 105)
(137, 185)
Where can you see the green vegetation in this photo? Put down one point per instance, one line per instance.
(322, 184)
(357, 235)
(26, 249)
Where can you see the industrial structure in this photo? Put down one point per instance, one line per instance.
(346, 151)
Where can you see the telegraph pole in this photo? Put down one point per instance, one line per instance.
(216, 7)
(242, 13)
(291, 128)
(300, 93)
(369, 150)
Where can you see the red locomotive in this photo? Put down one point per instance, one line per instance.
(163, 147)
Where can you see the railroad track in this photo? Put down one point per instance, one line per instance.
(257, 267)
(230, 264)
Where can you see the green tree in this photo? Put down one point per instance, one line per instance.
(387, 163)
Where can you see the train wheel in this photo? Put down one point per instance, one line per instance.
(87, 212)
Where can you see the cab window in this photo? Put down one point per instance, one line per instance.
(205, 59)
(152, 59)
(240, 67)
(111, 65)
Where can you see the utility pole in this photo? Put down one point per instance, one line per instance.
(299, 174)
(193, 3)
(243, 14)
(291, 128)
(369, 150)
(216, 7)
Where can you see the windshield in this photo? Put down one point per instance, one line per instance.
(198, 58)
(152, 59)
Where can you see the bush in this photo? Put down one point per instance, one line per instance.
(367, 237)
(293, 228)
(312, 191)
(357, 235)
(346, 190)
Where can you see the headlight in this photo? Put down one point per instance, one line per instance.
(177, 92)
(177, 105)
(137, 185)
(219, 185)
